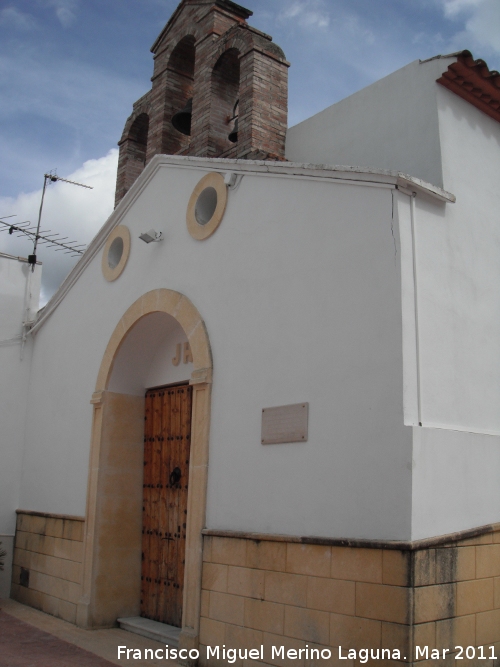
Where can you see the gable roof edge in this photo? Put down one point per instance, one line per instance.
(341, 173)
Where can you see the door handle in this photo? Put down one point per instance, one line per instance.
(175, 476)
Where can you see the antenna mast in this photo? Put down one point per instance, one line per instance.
(48, 178)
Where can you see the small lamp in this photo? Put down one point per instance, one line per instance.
(151, 237)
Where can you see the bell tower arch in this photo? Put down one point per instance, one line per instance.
(212, 71)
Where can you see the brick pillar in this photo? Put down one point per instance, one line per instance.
(132, 156)
(263, 98)
(263, 105)
(208, 52)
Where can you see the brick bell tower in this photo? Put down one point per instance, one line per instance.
(220, 89)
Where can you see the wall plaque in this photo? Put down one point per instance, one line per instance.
(285, 423)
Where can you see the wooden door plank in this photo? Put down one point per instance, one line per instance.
(171, 515)
(167, 446)
(185, 450)
(163, 514)
(175, 508)
(155, 508)
(171, 499)
(146, 525)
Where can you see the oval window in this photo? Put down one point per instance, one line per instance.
(206, 206)
(115, 253)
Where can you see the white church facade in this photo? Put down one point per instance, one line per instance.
(277, 423)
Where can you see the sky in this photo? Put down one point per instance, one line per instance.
(70, 71)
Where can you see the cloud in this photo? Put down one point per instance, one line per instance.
(481, 32)
(454, 7)
(342, 31)
(71, 211)
(307, 13)
(10, 16)
(65, 11)
(484, 25)
(70, 92)
(434, 43)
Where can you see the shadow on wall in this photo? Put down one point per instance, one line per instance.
(6, 550)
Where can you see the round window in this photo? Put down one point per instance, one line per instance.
(206, 206)
(116, 252)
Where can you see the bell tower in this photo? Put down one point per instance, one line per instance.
(219, 89)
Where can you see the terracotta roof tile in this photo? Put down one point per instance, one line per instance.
(472, 80)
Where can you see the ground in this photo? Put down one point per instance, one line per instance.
(30, 638)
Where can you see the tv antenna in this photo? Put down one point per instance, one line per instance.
(52, 240)
(51, 177)
(38, 236)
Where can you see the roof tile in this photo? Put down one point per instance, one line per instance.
(475, 82)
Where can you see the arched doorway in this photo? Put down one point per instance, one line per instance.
(112, 547)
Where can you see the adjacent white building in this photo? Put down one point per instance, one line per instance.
(19, 296)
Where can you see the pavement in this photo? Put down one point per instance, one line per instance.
(30, 638)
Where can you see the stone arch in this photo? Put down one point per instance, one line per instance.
(132, 127)
(112, 543)
(233, 40)
(138, 136)
(262, 112)
(243, 40)
(180, 308)
(163, 45)
(133, 150)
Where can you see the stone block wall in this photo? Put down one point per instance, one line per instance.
(276, 591)
(457, 596)
(47, 565)
(287, 593)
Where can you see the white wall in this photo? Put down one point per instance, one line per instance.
(19, 292)
(146, 357)
(300, 292)
(14, 377)
(392, 124)
(455, 481)
(304, 300)
(468, 254)
(457, 461)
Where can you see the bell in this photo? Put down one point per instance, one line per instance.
(233, 136)
(182, 119)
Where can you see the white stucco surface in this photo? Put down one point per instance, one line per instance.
(363, 293)
(19, 294)
(457, 457)
(146, 358)
(391, 124)
(455, 481)
(300, 292)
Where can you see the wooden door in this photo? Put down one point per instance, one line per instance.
(167, 437)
